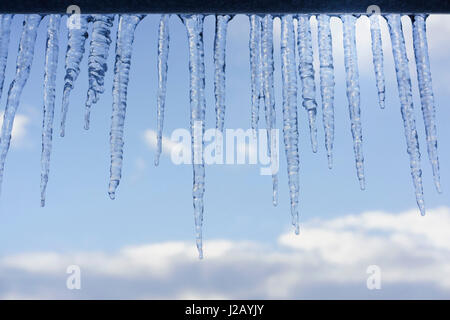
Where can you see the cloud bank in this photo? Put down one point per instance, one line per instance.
(328, 260)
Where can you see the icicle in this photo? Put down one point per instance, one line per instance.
(352, 78)
(426, 93)
(124, 46)
(5, 30)
(163, 56)
(326, 82)
(407, 107)
(267, 69)
(255, 66)
(220, 41)
(75, 50)
(306, 70)
(377, 52)
(194, 27)
(23, 67)
(290, 129)
(51, 64)
(97, 61)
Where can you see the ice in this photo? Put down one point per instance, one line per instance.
(51, 65)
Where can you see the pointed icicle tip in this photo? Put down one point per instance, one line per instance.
(113, 184)
(297, 229)
(421, 205)
(275, 190)
(330, 160)
(362, 184)
(438, 186)
(199, 248)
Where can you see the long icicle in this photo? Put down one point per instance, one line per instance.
(97, 61)
(353, 94)
(5, 31)
(407, 107)
(255, 65)
(306, 71)
(51, 64)
(23, 68)
(124, 46)
(267, 69)
(377, 53)
(326, 82)
(194, 27)
(220, 43)
(426, 93)
(77, 36)
(163, 56)
(290, 125)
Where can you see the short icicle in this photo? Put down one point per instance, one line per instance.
(77, 36)
(51, 64)
(268, 92)
(23, 68)
(326, 82)
(255, 66)
(5, 31)
(306, 71)
(124, 46)
(97, 61)
(353, 94)
(194, 27)
(163, 57)
(407, 107)
(290, 126)
(220, 43)
(377, 53)
(426, 93)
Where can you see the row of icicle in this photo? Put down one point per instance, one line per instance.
(296, 61)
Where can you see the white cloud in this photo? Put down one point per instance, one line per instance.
(328, 260)
(19, 131)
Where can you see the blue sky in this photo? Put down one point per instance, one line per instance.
(153, 206)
